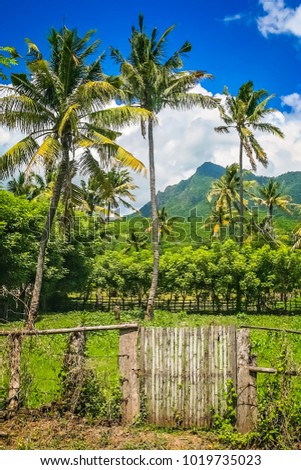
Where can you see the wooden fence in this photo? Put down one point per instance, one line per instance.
(178, 377)
(10, 311)
(184, 373)
(293, 305)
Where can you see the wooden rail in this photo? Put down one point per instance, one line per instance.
(269, 370)
(281, 330)
(125, 326)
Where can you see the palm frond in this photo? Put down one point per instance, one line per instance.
(222, 130)
(94, 94)
(128, 160)
(48, 151)
(261, 155)
(190, 100)
(17, 155)
(33, 50)
(120, 116)
(70, 117)
(269, 128)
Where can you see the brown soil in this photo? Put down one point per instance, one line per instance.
(72, 433)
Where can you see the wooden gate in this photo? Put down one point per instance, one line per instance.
(185, 372)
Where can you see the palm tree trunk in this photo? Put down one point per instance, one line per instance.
(34, 305)
(241, 196)
(231, 224)
(155, 224)
(270, 221)
(108, 214)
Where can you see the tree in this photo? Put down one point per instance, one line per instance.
(165, 225)
(61, 110)
(154, 82)
(246, 113)
(112, 187)
(225, 193)
(136, 240)
(270, 196)
(20, 185)
(218, 219)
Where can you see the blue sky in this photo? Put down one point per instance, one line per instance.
(225, 36)
(235, 40)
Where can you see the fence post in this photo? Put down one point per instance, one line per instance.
(74, 369)
(15, 373)
(128, 368)
(246, 415)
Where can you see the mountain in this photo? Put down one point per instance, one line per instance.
(181, 198)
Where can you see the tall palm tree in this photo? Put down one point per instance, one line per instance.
(154, 82)
(246, 113)
(60, 107)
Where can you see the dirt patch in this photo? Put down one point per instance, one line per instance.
(72, 433)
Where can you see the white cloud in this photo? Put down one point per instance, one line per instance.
(293, 101)
(184, 140)
(230, 18)
(279, 19)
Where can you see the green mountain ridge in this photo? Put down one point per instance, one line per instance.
(191, 194)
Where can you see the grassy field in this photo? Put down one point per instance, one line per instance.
(42, 358)
(43, 355)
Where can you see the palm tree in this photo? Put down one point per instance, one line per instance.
(20, 185)
(136, 240)
(91, 201)
(111, 187)
(31, 185)
(165, 225)
(270, 196)
(154, 82)
(218, 219)
(225, 193)
(246, 113)
(117, 188)
(61, 110)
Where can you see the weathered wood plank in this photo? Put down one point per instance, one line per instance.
(128, 367)
(185, 373)
(15, 372)
(59, 331)
(246, 415)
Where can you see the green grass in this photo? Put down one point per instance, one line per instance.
(43, 356)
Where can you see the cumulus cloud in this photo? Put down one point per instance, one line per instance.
(293, 101)
(279, 19)
(184, 140)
